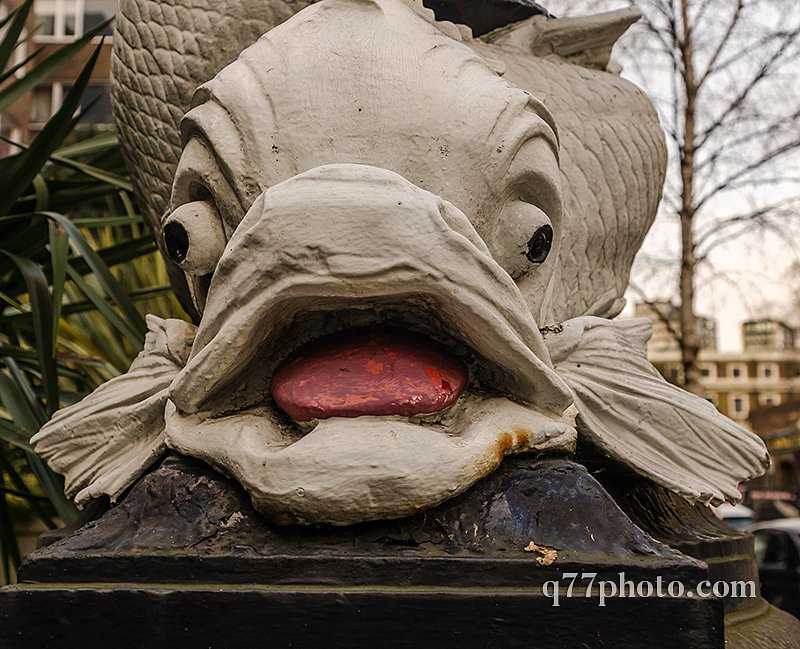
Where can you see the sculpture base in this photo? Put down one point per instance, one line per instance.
(750, 623)
(184, 560)
(212, 615)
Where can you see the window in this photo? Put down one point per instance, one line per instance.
(674, 374)
(10, 131)
(739, 406)
(737, 370)
(41, 104)
(769, 399)
(708, 370)
(100, 111)
(771, 548)
(21, 48)
(47, 99)
(97, 11)
(768, 370)
(58, 18)
(64, 18)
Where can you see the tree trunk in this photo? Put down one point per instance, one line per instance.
(689, 340)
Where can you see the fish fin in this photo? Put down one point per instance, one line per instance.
(103, 443)
(632, 414)
(583, 40)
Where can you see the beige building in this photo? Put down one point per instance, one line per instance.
(767, 334)
(666, 324)
(765, 373)
(53, 23)
(739, 383)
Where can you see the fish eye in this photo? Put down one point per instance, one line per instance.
(510, 240)
(539, 245)
(194, 238)
(176, 241)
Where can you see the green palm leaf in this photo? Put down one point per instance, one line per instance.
(67, 320)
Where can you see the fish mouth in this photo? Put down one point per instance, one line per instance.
(415, 327)
(369, 371)
(352, 251)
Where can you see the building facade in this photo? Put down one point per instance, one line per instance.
(779, 427)
(767, 334)
(53, 23)
(740, 383)
(667, 326)
(765, 373)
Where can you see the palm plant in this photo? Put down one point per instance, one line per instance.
(76, 266)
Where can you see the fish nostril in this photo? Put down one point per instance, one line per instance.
(176, 240)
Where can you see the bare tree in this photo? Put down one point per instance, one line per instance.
(788, 310)
(724, 74)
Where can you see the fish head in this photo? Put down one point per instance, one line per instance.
(371, 219)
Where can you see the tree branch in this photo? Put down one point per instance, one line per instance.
(710, 68)
(744, 171)
(754, 46)
(763, 217)
(662, 317)
(738, 101)
(750, 136)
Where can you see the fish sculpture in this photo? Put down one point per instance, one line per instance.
(404, 246)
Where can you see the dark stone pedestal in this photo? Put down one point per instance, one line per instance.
(750, 623)
(185, 561)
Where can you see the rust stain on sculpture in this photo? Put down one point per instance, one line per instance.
(507, 443)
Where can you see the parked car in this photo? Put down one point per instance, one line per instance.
(738, 516)
(778, 555)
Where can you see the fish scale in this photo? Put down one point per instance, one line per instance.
(204, 38)
(150, 100)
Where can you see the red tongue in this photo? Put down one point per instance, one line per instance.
(368, 372)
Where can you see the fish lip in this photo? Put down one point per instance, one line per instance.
(421, 318)
(414, 314)
(345, 237)
(351, 470)
(411, 315)
(420, 314)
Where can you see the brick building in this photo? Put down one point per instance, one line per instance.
(51, 24)
(779, 427)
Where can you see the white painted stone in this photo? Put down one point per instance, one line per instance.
(361, 163)
(631, 413)
(583, 40)
(105, 442)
